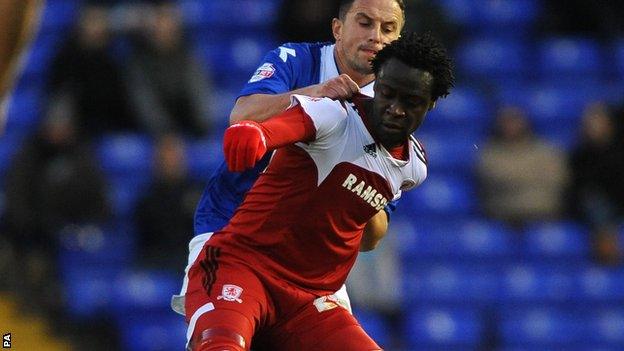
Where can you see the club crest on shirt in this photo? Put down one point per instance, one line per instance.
(266, 70)
(231, 292)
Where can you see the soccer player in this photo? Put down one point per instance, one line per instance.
(336, 71)
(269, 274)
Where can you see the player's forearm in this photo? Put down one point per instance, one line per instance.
(259, 107)
(374, 231)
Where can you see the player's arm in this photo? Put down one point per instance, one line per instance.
(259, 107)
(246, 142)
(374, 231)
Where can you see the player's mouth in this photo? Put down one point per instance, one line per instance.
(393, 127)
(369, 52)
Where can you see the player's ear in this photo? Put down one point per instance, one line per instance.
(337, 28)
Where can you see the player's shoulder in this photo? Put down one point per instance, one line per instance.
(418, 148)
(301, 50)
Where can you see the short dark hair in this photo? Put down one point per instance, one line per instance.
(345, 6)
(425, 53)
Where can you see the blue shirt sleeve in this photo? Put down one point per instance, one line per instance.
(390, 208)
(286, 68)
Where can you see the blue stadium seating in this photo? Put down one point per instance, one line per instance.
(449, 152)
(144, 290)
(204, 156)
(536, 283)
(39, 59)
(448, 284)
(440, 195)
(152, 331)
(457, 239)
(466, 113)
(124, 192)
(88, 289)
(606, 327)
(109, 244)
(562, 58)
(493, 58)
(512, 16)
(234, 14)
(443, 327)
(540, 327)
(595, 284)
(567, 240)
(125, 154)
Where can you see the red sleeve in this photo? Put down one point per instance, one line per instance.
(288, 127)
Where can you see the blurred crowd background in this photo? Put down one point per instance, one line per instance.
(514, 242)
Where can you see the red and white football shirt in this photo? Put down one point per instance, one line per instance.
(302, 220)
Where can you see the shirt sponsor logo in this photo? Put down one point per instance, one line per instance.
(366, 192)
(231, 293)
(266, 70)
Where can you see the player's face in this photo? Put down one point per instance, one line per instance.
(402, 99)
(366, 28)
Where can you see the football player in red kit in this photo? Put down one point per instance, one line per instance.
(270, 273)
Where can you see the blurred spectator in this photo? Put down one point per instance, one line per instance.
(597, 191)
(89, 81)
(165, 214)
(522, 178)
(54, 182)
(306, 20)
(601, 18)
(168, 86)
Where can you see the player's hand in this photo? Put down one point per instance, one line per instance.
(244, 144)
(338, 88)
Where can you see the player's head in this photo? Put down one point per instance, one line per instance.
(411, 74)
(364, 27)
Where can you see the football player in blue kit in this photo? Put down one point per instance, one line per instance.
(334, 70)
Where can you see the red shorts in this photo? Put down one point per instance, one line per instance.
(225, 293)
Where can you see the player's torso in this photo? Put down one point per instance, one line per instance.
(303, 219)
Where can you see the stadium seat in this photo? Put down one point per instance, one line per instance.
(233, 57)
(605, 326)
(512, 16)
(562, 58)
(125, 154)
(152, 331)
(39, 59)
(124, 193)
(465, 112)
(458, 239)
(111, 244)
(554, 110)
(598, 284)
(443, 327)
(462, 12)
(567, 240)
(204, 156)
(234, 14)
(449, 284)
(88, 289)
(144, 290)
(540, 328)
(493, 58)
(441, 195)
(536, 283)
(450, 152)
